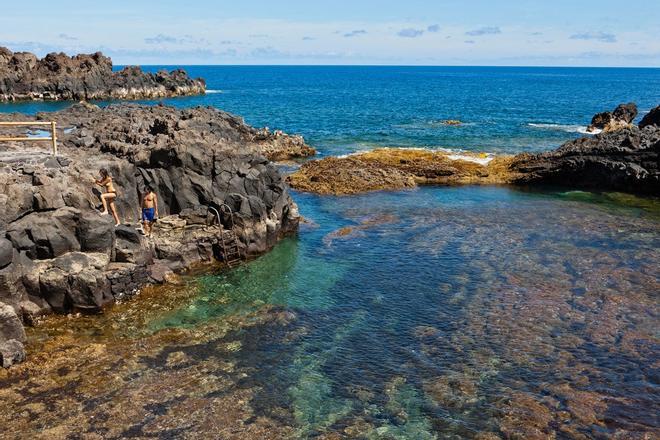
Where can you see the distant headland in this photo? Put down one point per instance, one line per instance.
(57, 76)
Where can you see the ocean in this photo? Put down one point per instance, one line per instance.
(439, 312)
(340, 110)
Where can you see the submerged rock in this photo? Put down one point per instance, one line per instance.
(60, 77)
(58, 252)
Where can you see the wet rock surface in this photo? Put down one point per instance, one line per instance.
(57, 252)
(57, 76)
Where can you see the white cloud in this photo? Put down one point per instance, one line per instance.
(489, 30)
(67, 37)
(270, 41)
(603, 37)
(355, 33)
(410, 33)
(170, 39)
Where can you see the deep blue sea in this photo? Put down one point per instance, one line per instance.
(345, 109)
(435, 313)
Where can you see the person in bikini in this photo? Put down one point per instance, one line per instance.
(149, 210)
(109, 196)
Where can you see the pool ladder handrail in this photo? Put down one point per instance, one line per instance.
(231, 253)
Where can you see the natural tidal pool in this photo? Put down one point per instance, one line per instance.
(471, 312)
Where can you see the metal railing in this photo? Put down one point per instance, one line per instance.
(52, 138)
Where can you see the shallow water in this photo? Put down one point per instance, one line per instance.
(469, 312)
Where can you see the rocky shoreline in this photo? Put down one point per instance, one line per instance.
(25, 77)
(624, 157)
(58, 253)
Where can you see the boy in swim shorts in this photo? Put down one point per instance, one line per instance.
(149, 210)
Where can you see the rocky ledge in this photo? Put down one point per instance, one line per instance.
(395, 168)
(621, 117)
(623, 159)
(58, 253)
(57, 76)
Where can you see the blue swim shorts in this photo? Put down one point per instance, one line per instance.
(148, 214)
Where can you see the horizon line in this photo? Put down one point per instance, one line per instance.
(387, 65)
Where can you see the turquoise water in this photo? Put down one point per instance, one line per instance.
(469, 312)
(440, 312)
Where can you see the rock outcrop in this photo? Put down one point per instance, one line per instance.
(57, 252)
(621, 117)
(85, 77)
(626, 159)
(651, 118)
(395, 168)
(12, 336)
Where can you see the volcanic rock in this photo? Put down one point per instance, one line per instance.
(621, 160)
(651, 118)
(625, 112)
(57, 252)
(11, 352)
(621, 117)
(624, 160)
(10, 324)
(85, 77)
(6, 252)
(12, 337)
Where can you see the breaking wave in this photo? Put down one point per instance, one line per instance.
(582, 129)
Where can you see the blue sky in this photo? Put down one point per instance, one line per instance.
(411, 32)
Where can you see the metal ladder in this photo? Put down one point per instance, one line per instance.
(231, 252)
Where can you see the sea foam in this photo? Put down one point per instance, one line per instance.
(564, 127)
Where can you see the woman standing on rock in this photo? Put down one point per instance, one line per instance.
(110, 195)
